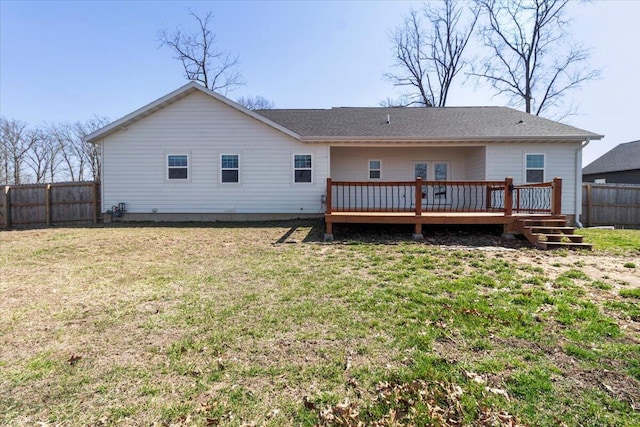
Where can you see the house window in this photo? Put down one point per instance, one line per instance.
(178, 166)
(375, 168)
(302, 168)
(534, 168)
(229, 168)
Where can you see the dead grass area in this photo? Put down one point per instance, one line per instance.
(264, 324)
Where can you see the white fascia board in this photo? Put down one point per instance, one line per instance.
(392, 140)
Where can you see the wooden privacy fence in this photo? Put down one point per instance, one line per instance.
(611, 204)
(38, 205)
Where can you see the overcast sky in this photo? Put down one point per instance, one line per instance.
(70, 60)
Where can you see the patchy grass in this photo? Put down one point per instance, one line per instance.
(264, 324)
(630, 293)
(620, 242)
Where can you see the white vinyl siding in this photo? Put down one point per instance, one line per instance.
(506, 160)
(475, 163)
(347, 162)
(135, 163)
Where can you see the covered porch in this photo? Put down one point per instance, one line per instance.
(421, 202)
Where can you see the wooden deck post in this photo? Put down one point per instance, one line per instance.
(508, 196)
(418, 196)
(328, 233)
(556, 197)
(328, 200)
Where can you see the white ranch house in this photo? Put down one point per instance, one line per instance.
(196, 155)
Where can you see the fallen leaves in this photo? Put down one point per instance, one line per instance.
(410, 404)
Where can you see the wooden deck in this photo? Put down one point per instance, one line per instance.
(423, 218)
(465, 202)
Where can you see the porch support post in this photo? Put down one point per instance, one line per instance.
(328, 197)
(418, 196)
(417, 233)
(508, 196)
(556, 196)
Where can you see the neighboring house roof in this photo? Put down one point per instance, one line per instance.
(172, 97)
(370, 124)
(446, 123)
(621, 158)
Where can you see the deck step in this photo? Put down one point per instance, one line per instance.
(544, 222)
(538, 229)
(568, 245)
(552, 233)
(575, 238)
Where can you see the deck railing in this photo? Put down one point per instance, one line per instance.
(420, 196)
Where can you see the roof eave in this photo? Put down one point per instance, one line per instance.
(449, 139)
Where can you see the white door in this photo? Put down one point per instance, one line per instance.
(432, 171)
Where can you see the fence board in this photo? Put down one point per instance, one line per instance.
(611, 204)
(47, 204)
(3, 191)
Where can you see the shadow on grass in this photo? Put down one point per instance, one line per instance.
(312, 231)
(438, 235)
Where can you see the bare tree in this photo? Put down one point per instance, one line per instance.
(81, 159)
(15, 141)
(401, 101)
(429, 60)
(256, 103)
(531, 58)
(39, 157)
(91, 151)
(202, 60)
(62, 137)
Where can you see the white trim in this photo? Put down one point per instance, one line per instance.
(167, 167)
(457, 140)
(543, 169)
(221, 169)
(293, 165)
(369, 169)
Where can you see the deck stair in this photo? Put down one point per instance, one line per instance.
(551, 233)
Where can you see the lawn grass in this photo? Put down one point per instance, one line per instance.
(621, 242)
(263, 324)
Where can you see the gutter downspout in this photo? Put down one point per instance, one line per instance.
(578, 208)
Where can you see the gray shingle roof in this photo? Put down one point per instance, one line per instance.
(422, 123)
(621, 158)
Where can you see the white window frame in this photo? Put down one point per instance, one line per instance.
(543, 168)
(370, 169)
(293, 164)
(226, 169)
(167, 167)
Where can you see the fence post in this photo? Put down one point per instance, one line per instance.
(508, 196)
(7, 206)
(95, 202)
(557, 196)
(589, 205)
(47, 205)
(418, 196)
(328, 199)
